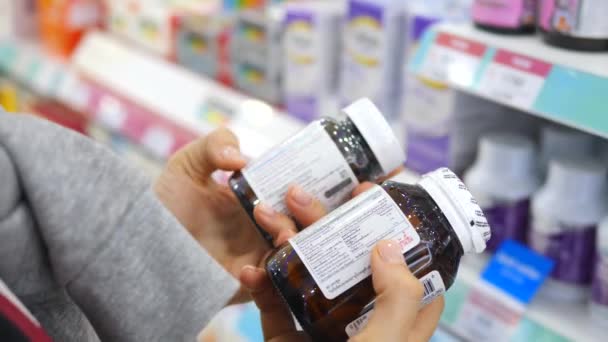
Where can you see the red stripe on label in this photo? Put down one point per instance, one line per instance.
(464, 45)
(523, 63)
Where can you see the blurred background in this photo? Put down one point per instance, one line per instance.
(509, 94)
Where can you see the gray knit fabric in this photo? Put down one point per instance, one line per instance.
(88, 248)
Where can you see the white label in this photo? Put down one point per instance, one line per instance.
(433, 288)
(311, 160)
(336, 250)
(511, 86)
(448, 65)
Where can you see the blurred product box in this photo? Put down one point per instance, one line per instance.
(203, 46)
(63, 23)
(17, 18)
(311, 58)
(256, 52)
(372, 53)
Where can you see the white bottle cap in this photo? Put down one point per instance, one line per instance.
(577, 180)
(377, 133)
(506, 163)
(560, 142)
(459, 207)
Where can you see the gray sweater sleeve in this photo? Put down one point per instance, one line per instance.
(76, 218)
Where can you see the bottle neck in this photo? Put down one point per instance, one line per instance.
(365, 161)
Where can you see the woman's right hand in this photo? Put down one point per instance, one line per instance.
(396, 315)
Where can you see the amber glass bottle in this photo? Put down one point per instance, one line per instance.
(323, 272)
(328, 158)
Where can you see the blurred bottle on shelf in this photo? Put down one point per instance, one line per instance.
(599, 287)
(565, 215)
(311, 46)
(505, 16)
(63, 23)
(503, 179)
(574, 24)
(559, 142)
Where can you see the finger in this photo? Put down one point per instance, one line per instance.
(361, 188)
(398, 295)
(279, 226)
(427, 321)
(303, 206)
(217, 151)
(276, 319)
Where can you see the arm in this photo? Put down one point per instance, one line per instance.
(97, 230)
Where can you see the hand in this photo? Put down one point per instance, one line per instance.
(396, 315)
(210, 211)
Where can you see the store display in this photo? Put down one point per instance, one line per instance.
(575, 24)
(502, 179)
(557, 142)
(505, 16)
(599, 287)
(311, 57)
(373, 52)
(63, 23)
(323, 272)
(565, 215)
(328, 158)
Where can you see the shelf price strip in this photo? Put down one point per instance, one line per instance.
(514, 79)
(453, 59)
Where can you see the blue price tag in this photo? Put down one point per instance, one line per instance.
(517, 270)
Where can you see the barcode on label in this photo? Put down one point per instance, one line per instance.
(358, 324)
(429, 288)
(433, 286)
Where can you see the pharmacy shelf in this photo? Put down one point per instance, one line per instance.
(571, 321)
(153, 102)
(565, 86)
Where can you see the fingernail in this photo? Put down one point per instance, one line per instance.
(301, 197)
(232, 153)
(265, 210)
(390, 252)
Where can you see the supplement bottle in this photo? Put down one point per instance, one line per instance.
(323, 273)
(505, 16)
(599, 287)
(328, 159)
(575, 24)
(503, 179)
(563, 143)
(565, 215)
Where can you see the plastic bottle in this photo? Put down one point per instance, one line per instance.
(558, 142)
(565, 215)
(328, 158)
(575, 24)
(502, 179)
(323, 272)
(599, 287)
(505, 16)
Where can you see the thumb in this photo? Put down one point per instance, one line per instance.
(398, 296)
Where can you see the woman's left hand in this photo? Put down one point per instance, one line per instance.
(210, 211)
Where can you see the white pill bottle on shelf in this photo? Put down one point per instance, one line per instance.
(565, 214)
(557, 142)
(503, 178)
(599, 287)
